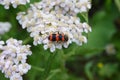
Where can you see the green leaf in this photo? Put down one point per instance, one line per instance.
(88, 70)
(108, 70)
(103, 29)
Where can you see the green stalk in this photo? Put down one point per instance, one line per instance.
(53, 73)
(85, 16)
(27, 40)
(48, 66)
(117, 2)
(63, 60)
(38, 68)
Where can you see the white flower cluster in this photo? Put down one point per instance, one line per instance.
(41, 24)
(110, 49)
(13, 57)
(71, 7)
(4, 27)
(14, 3)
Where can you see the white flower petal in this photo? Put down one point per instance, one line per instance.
(13, 59)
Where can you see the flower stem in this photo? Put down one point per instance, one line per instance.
(27, 40)
(48, 66)
(85, 16)
(53, 73)
(63, 60)
(117, 2)
(38, 68)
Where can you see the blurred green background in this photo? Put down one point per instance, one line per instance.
(99, 59)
